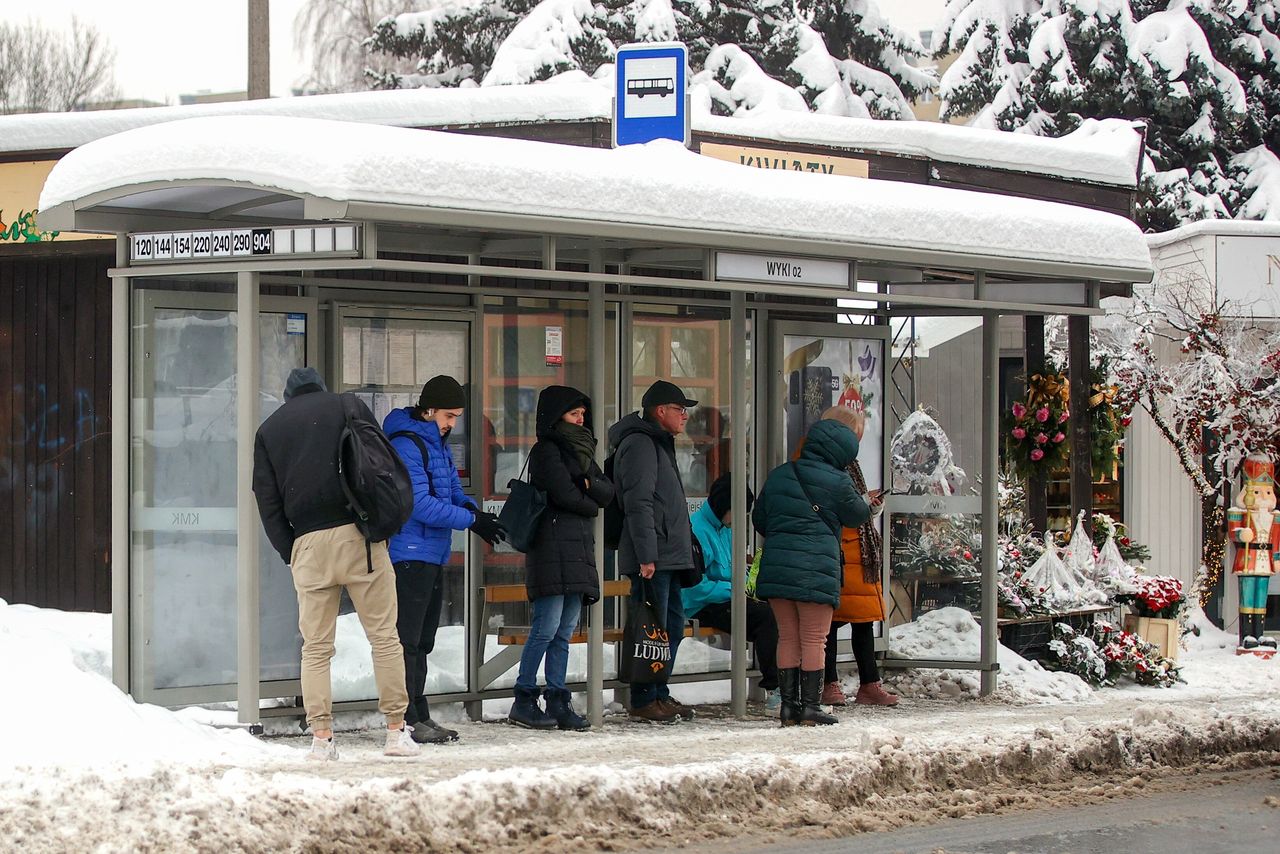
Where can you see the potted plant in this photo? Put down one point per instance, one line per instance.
(1154, 610)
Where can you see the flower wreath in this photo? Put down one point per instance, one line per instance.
(1034, 427)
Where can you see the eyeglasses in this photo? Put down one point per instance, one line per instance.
(679, 409)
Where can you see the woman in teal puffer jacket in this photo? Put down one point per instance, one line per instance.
(800, 512)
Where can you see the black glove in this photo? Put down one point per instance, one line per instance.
(488, 528)
(471, 505)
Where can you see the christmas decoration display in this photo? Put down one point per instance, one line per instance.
(920, 458)
(1105, 528)
(1113, 573)
(1253, 526)
(1158, 596)
(1035, 437)
(1069, 584)
(1105, 654)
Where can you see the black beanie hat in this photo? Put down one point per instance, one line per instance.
(442, 392)
(720, 496)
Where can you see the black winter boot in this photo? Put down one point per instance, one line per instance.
(789, 690)
(526, 712)
(1248, 632)
(811, 699)
(560, 707)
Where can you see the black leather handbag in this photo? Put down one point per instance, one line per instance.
(522, 512)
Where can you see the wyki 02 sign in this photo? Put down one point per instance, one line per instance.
(169, 246)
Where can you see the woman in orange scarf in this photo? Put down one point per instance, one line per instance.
(861, 594)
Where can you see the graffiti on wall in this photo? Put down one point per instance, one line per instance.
(24, 229)
(49, 442)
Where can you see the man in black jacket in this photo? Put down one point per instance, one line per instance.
(309, 522)
(656, 544)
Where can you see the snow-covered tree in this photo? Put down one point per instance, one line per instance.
(48, 70)
(846, 59)
(332, 33)
(838, 57)
(990, 38)
(1199, 370)
(1201, 74)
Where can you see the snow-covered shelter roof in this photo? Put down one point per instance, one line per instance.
(1216, 227)
(277, 169)
(1105, 152)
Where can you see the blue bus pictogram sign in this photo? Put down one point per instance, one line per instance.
(650, 98)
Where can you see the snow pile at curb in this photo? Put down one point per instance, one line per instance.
(58, 708)
(889, 782)
(953, 634)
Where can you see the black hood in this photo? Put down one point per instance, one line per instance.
(555, 401)
(637, 423)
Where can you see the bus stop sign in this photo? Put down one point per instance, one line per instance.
(650, 99)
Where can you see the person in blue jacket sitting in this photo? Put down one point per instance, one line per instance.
(422, 548)
(710, 602)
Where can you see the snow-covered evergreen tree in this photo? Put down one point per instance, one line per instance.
(834, 56)
(1200, 73)
(990, 38)
(846, 59)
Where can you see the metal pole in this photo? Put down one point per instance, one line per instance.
(259, 49)
(248, 591)
(597, 364)
(120, 428)
(738, 391)
(990, 507)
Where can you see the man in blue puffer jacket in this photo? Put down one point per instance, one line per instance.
(422, 548)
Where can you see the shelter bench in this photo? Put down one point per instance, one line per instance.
(512, 638)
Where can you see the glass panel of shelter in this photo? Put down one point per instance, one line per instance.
(384, 356)
(689, 345)
(529, 344)
(183, 512)
(933, 513)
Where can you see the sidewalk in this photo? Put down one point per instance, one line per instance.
(636, 785)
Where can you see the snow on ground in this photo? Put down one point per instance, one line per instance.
(953, 634)
(60, 709)
(626, 785)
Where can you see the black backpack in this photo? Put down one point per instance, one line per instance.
(613, 517)
(379, 492)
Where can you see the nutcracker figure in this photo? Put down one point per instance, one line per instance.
(1254, 527)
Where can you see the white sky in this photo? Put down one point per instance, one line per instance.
(165, 48)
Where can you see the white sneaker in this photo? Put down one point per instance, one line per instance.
(400, 742)
(322, 750)
(773, 700)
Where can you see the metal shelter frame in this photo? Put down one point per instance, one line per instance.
(599, 261)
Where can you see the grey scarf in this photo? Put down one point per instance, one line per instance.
(579, 441)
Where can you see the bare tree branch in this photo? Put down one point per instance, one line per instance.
(333, 32)
(48, 70)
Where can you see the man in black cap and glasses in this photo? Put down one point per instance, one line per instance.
(656, 542)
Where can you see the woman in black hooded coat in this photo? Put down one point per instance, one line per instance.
(561, 564)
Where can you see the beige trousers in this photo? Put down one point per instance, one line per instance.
(323, 563)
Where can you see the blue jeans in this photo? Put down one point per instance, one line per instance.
(667, 602)
(554, 621)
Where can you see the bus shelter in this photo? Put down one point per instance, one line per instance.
(384, 256)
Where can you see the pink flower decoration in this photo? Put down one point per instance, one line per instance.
(1064, 416)
(1037, 455)
(1019, 433)
(1042, 414)
(1019, 410)
(1041, 438)
(1058, 437)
